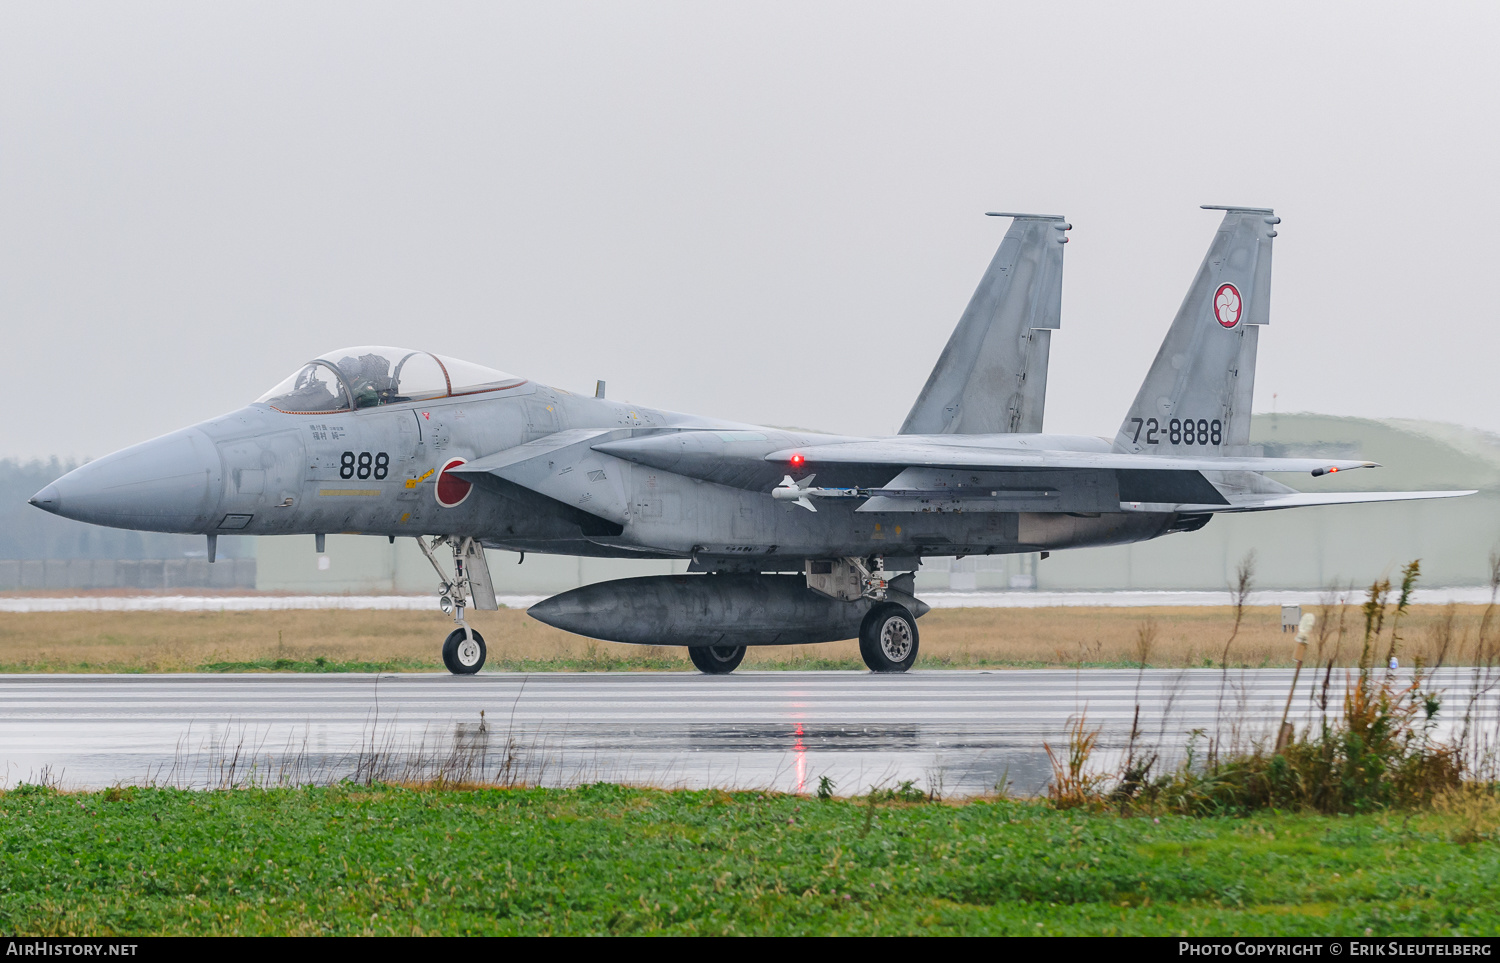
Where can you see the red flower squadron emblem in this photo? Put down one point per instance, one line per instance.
(1227, 305)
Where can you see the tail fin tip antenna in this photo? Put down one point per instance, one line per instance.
(1032, 217)
(1238, 210)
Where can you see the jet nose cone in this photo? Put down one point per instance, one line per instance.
(169, 484)
(48, 500)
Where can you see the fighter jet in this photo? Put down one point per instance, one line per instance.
(793, 537)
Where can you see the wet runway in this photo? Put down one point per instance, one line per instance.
(959, 732)
(1015, 598)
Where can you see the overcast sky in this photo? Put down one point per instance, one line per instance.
(766, 212)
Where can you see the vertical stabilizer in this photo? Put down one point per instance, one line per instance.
(1196, 397)
(992, 376)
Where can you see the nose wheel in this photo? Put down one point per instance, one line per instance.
(463, 651)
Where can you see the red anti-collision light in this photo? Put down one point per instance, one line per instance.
(797, 460)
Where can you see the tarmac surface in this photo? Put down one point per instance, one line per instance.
(956, 732)
(1015, 598)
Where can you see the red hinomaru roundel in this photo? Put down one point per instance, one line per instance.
(450, 489)
(1227, 305)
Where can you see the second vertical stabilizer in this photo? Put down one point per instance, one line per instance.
(1196, 397)
(992, 375)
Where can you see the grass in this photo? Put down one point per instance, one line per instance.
(1380, 749)
(1362, 824)
(348, 641)
(606, 859)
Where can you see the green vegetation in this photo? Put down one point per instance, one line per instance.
(606, 859)
(1377, 750)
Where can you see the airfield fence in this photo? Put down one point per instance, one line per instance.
(152, 574)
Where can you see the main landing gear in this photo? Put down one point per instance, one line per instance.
(463, 649)
(888, 638)
(716, 659)
(887, 642)
(887, 630)
(888, 633)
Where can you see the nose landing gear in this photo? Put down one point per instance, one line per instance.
(464, 650)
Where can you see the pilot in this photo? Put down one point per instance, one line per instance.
(369, 379)
(365, 395)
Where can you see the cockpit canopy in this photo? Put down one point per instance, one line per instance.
(369, 376)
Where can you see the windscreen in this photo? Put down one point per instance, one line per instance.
(316, 387)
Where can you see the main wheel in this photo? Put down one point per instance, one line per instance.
(716, 659)
(463, 656)
(888, 638)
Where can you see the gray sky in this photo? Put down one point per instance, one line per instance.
(767, 212)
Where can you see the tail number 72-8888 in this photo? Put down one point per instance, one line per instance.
(1178, 431)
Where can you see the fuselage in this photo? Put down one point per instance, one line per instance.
(376, 471)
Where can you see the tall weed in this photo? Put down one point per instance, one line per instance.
(1375, 750)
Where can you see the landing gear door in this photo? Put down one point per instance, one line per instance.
(481, 586)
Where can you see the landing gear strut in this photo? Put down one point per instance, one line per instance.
(716, 659)
(464, 649)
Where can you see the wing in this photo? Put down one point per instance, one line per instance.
(998, 473)
(906, 453)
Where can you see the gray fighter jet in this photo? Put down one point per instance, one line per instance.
(794, 537)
